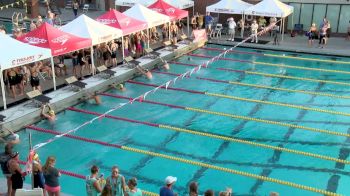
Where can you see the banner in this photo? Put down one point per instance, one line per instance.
(200, 35)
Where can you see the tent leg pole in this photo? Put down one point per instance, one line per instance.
(53, 74)
(283, 29)
(148, 37)
(242, 27)
(3, 90)
(123, 54)
(92, 61)
(188, 26)
(169, 30)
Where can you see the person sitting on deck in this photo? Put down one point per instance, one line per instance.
(145, 72)
(13, 138)
(50, 114)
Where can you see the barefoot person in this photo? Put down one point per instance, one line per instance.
(50, 114)
(16, 173)
(51, 175)
(5, 157)
(13, 138)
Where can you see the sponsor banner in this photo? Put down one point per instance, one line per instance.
(200, 35)
(26, 60)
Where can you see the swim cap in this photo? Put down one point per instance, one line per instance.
(36, 156)
(51, 112)
(120, 86)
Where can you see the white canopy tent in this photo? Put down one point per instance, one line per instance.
(271, 8)
(86, 27)
(181, 4)
(15, 53)
(230, 7)
(130, 3)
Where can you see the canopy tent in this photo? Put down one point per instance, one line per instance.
(121, 21)
(86, 27)
(130, 3)
(181, 4)
(147, 15)
(15, 53)
(271, 8)
(59, 42)
(174, 13)
(230, 7)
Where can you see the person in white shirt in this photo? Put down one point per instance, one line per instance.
(254, 28)
(231, 28)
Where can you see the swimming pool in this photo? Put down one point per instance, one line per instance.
(235, 97)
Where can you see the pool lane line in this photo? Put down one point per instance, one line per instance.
(256, 85)
(248, 100)
(272, 64)
(234, 116)
(280, 56)
(196, 163)
(72, 174)
(215, 136)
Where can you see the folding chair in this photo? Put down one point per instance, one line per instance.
(217, 31)
(86, 8)
(38, 98)
(75, 84)
(104, 72)
(131, 62)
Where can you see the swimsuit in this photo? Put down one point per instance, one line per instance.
(34, 81)
(17, 180)
(12, 80)
(19, 78)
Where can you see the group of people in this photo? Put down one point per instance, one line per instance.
(322, 33)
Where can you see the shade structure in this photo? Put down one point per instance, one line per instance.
(147, 15)
(130, 3)
(164, 8)
(59, 42)
(181, 4)
(229, 7)
(270, 8)
(15, 53)
(121, 21)
(86, 27)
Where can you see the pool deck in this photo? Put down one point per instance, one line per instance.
(21, 115)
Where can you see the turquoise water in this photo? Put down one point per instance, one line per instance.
(78, 156)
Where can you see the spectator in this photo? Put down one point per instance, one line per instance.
(51, 175)
(167, 189)
(107, 190)
(133, 190)
(75, 8)
(228, 192)
(275, 31)
(38, 175)
(208, 22)
(194, 22)
(193, 189)
(5, 157)
(254, 29)
(117, 182)
(17, 177)
(231, 28)
(209, 193)
(312, 34)
(93, 187)
(200, 20)
(323, 35)
(262, 22)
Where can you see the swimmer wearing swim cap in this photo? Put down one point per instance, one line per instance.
(50, 115)
(166, 66)
(121, 87)
(145, 72)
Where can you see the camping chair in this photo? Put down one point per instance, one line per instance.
(104, 72)
(75, 84)
(131, 62)
(151, 54)
(38, 98)
(217, 31)
(86, 8)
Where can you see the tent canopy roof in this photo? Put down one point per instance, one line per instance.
(47, 36)
(130, 3)
(229, 7)
(88, 28)
(121, 21)
(164, 8)
(181, 4)
(19, 53)
(144, 14)
(270, 8)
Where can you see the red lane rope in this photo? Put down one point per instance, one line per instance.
(146, 101)
(221, 58)
(73, 136)
(113, 117)
(163, 87)
(194, 65)
(166, 73)
(232, 51)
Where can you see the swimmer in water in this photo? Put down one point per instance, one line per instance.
(97, 98)
(145, 72)
(12, 138)
(166, 65)
(50, 114)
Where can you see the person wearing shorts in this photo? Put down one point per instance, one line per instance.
(51, 175)
(231, 28)
(208, 22)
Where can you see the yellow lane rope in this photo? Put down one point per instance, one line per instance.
(307, 59)
(267, 121)
(232, 171)
(210, 135)
(290, 90)
(278, 104)
(149, 193)
(301, 68)
(296, 78)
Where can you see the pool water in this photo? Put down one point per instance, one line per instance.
(77, 156)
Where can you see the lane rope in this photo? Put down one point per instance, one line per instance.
(262, 86)
(215, 136)
(196, 163)
(248, 100)
(236, 116)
